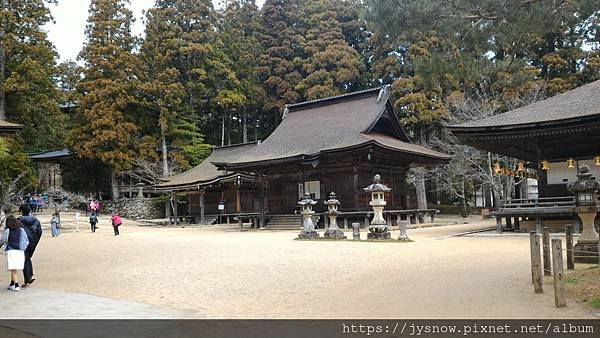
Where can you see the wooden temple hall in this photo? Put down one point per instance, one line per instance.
(333, 144)
(554, 137)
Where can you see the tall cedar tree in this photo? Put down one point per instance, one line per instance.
(164, 92)
(27, 66)
(242, 34)
(105, 129)
(281, 64)
(331, 66)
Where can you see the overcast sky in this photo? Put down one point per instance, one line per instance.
(70, 17)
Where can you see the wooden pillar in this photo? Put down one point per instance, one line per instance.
(238, 203)
(517, 223)
(560, 296)
(538, 224)
(261, 196)
(175, 211)
(509, 222)
(202, 193)
(355, 188)
(546, 250)
(498, 224)
(570, 256)
(536, 263)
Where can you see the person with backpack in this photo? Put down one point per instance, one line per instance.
(33, 229)
(16, 242)
(93, 221)
(116, 223)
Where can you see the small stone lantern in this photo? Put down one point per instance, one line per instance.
(378, 228)
(308, 228)
(586, 207)
(332, 206)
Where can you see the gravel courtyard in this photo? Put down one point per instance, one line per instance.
(224, 273)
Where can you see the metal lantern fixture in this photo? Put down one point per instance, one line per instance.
(497, 169)
(332, 230)
(378, 228)
(308, 227)
(545, 165)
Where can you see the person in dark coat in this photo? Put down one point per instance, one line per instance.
(33, 229)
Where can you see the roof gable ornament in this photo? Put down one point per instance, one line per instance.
(383, 92)
(285, 112)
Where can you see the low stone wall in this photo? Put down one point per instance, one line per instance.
(135, 208)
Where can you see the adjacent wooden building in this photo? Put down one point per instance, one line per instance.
(554, 136)
(333, 144)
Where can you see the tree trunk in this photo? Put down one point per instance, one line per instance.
(244, 127)
(114, 185)
(165, 158)
(3, 62)
(465, 212)
(420, 188)
(223, 132)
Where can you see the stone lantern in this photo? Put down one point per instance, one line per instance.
(378, 228)
(585, 190)
(332, 206)
(308, 228)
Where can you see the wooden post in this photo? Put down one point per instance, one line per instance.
(560, 297)
(517, 223)
(536, 264)
(356, 231)
(240, 223)
(570, 256)
(346, 223)
(546, 251)
(498, 224)
(175, 207)
(538, 224)
(509, 222)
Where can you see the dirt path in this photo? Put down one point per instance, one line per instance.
(257, 274)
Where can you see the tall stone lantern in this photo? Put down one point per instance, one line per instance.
(378, 228)
(308, 228)
(332, 206)
(586, 206)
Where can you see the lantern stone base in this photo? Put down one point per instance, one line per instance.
(379, 235)
(586, 253)
(308, 234)
(334, 234)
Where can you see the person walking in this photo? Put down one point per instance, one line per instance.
(33, 229)
(116, 223)
(93, 221)
(55, 225)
(16, 242)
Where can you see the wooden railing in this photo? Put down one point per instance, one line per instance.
(542, 202)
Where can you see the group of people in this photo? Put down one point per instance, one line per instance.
(21, 237)
(36, 202)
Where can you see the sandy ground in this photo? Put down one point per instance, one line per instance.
(224, 273)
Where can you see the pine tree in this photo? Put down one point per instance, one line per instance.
(27, 66)
(105, 126)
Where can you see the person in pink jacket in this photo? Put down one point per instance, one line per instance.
(116, 222)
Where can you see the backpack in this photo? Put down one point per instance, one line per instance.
(94, 219)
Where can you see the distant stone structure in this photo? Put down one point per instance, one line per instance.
(586, 206)
(379, 228)
(333, 231)
(308, 227)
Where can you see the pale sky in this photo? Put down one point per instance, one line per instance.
(70, 16)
